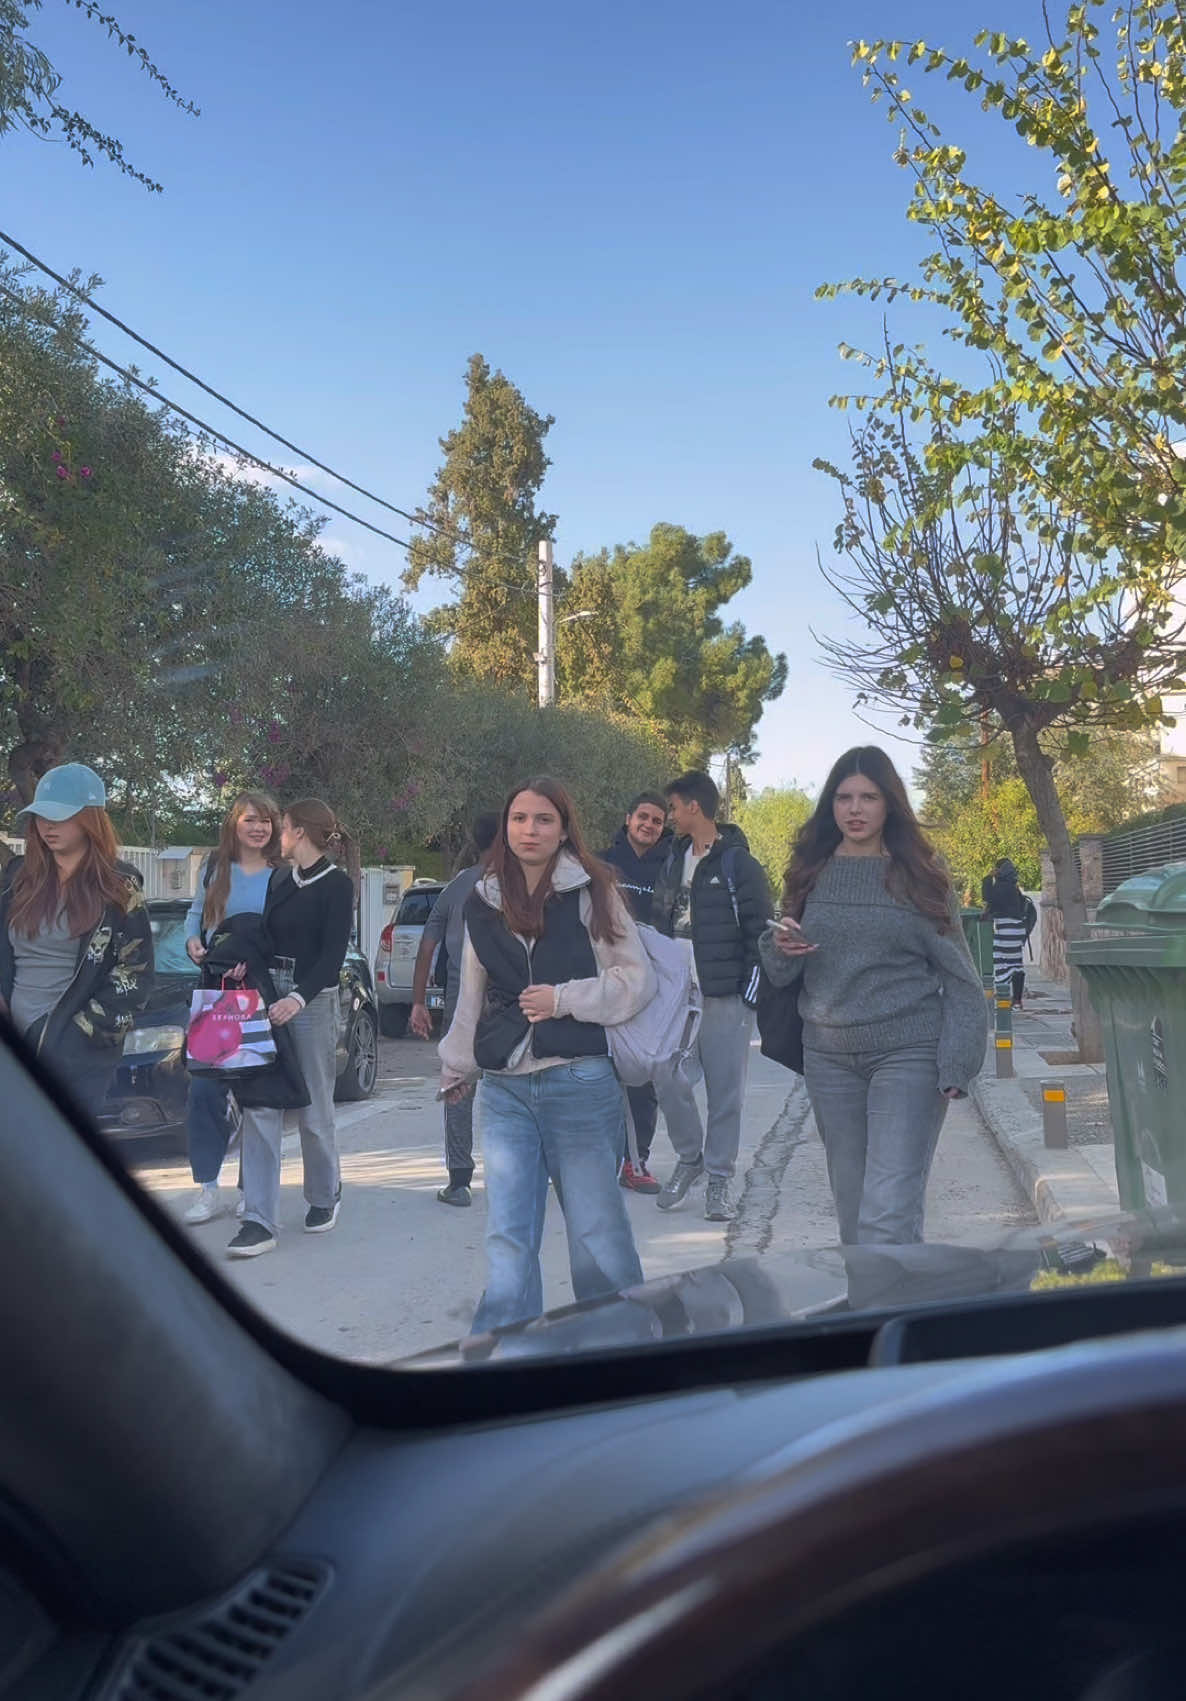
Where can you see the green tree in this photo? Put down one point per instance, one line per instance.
(30, 85)
(485, 740)
(647, 640)
(770, 818)
(482, 530)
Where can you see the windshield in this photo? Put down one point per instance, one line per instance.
(168, 943)
(613, 728)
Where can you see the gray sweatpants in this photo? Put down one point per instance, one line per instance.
(315, 1033)
(725, 1030)
(879, 1115)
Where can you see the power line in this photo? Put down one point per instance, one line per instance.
(210, 431)
(416, 519)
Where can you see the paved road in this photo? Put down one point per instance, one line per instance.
(401, 1272)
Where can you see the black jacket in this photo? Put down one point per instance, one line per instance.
(112, 980)
(637, 874)
(311, 924)
(724, 939)
(244, 939)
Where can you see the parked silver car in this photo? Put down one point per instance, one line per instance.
(395, 958)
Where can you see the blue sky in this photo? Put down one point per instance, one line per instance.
(626, 208)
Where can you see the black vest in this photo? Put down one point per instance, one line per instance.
(562, 952)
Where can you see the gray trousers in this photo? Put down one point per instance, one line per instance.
(725, 1030)
(315, 1034)
(879, 1115)
(459, 1140)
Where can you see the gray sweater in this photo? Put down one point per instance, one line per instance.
(884, 977)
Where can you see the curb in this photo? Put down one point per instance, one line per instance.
(1061, 1186)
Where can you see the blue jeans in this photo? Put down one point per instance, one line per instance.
(207, 1127)
(879, 1115)
(564, 1122)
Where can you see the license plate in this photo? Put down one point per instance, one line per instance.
(435, 1001)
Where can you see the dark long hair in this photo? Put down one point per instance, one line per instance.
(327, 834)
(523, 911)
(219, 889)
(37, 895)
(915, 873)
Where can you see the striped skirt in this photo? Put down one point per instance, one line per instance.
(1008, 948)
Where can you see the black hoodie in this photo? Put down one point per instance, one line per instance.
(637, 874)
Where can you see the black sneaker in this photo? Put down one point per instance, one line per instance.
(319, 1219)
(455, 1196)
(251, 1240)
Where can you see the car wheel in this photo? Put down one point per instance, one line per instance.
(393, 1019)
(357, 1080)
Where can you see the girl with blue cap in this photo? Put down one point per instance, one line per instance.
(75, 942)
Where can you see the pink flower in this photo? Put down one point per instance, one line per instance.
(85, 471)
(63, 472)
(57, 455)
(61, 419)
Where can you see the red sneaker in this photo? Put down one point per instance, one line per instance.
(638, 1178)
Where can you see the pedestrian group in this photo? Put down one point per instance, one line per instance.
(544, 950)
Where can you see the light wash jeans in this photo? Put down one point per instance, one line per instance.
(564, 1122)
(879, 1115)
(726, 1028)
(315, 1034)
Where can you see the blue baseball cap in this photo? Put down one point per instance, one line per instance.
(63, 791)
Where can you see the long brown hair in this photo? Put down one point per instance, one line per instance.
(219, 889)
(327, 833)
(915, 873)
(37, 896)
(523, 911)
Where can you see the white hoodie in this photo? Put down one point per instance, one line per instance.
(624, 983)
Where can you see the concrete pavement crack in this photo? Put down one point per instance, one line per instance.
(750, 1232)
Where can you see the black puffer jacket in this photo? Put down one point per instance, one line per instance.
(724, 940)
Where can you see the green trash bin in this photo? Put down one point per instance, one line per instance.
(1134, 962)
(978, 933)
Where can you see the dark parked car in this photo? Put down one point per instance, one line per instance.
(151, 1086)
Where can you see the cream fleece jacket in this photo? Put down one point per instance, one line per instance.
(624, 983)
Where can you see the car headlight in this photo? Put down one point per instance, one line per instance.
(142, 1040)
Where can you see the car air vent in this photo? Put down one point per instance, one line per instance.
(214, 1655)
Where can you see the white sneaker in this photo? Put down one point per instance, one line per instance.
(207, 1205)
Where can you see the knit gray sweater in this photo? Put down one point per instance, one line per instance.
(884, 977)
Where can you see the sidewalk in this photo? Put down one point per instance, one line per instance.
(1071, 1186)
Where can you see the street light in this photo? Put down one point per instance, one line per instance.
(545, 656)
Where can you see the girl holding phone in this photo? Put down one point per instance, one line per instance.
(894, 1020)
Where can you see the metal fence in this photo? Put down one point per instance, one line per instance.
(1139, 848)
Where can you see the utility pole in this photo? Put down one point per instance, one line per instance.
(546, 654)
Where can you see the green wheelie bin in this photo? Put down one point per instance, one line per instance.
(978, 933)
(1134, 962)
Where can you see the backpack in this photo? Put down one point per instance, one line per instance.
(659, 1041)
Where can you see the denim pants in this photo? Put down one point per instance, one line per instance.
(565, 1123)
(207, 1127)
(723, 1046)
(315, 1034)
(879, 1115)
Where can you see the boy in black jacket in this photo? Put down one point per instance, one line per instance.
(714, 894)
(638, 853)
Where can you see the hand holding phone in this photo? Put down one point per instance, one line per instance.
(788, 937)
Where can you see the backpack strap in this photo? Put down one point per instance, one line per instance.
(729, 870)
